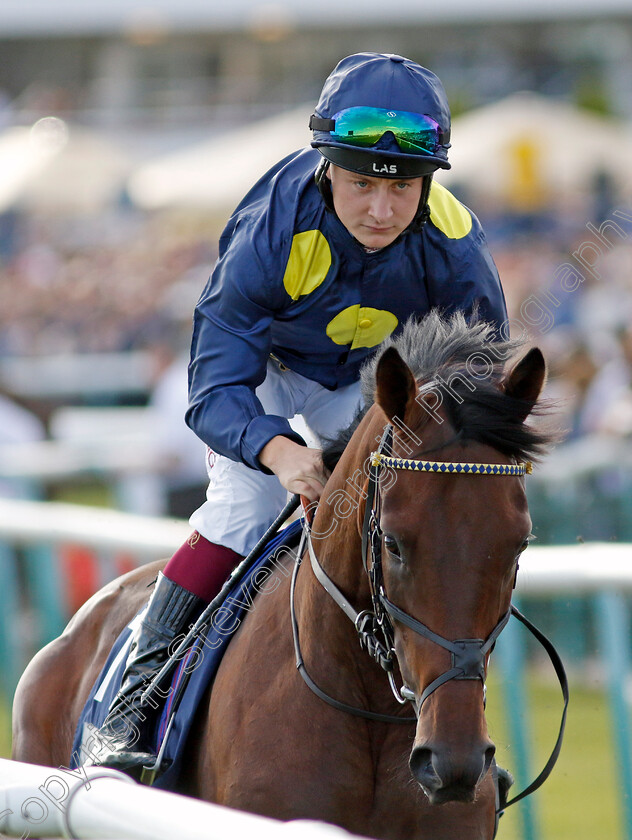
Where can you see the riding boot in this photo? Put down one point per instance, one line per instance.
(125, 735)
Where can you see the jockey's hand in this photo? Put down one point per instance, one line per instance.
(299, 469)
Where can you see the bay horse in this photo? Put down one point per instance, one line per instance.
(447, 538)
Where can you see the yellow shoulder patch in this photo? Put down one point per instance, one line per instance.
(308, 263)
(448, 214)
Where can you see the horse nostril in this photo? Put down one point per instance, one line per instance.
(444, 779)
(422, 768)
(490, 752)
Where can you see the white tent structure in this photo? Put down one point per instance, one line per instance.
(52, 166)
(218, 173)
(525, 149)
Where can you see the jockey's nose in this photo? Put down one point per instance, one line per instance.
(381, 207)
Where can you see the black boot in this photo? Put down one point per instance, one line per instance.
(125, 735)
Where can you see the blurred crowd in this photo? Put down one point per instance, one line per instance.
(106, 286)
(572, 295)
(129, 282)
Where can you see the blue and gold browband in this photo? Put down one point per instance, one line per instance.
(377, 459)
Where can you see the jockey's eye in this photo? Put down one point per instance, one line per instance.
(390, 543)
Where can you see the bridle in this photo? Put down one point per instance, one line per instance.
(468, 656)
(375, 627)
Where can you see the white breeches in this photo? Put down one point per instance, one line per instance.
(241, 503)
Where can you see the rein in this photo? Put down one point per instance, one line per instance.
(366, 627)
(467, 655)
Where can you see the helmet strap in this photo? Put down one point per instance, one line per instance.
(423, 210)
(324, 184)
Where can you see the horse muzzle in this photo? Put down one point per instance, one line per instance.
(446, 776)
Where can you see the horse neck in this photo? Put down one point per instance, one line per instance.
(337, 524)
(327, 636)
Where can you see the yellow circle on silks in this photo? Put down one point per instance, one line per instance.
(361, 326)
(447, 213)
(308, 263)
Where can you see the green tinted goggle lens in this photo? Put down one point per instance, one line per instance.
(365, 126)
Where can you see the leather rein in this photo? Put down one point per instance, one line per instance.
(375, 627)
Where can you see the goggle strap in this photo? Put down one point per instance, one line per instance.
(321, 124)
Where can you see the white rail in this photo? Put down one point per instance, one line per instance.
(583, 567)
(601, 571)
(23, 523)
(580, 568)
(97, 802)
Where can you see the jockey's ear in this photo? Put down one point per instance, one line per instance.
(526, 379)
(395, 385)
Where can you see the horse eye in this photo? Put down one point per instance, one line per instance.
(524, 545)
(391, 545)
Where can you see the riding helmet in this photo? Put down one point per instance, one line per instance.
(392, 84)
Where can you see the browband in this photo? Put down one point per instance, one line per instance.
(377, 459)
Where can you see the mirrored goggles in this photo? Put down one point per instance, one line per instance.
(363, 126)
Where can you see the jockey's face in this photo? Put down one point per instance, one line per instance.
(374, 210)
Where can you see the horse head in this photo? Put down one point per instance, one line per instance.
(451, 540)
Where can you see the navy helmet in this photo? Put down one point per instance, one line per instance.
(384, 116)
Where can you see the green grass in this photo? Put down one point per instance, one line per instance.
(580, 800)
(5, 729)
(85, 492)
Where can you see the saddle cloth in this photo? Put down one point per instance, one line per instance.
(200, 666)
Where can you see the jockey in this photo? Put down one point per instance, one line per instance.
(328, 254)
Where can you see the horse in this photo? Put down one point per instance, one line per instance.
(445, 536)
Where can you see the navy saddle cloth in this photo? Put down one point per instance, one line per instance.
(200, 665)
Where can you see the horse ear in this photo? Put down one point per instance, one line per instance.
(395, 384)
(526, 379)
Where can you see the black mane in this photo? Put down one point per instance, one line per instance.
(469, 364)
